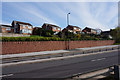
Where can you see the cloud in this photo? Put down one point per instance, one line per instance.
(93, 14)
(29, 10)
(96, 20)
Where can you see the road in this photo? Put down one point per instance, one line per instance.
(62, 68)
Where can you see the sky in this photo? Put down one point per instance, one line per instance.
(96, 15)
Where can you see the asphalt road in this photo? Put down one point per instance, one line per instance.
(62, 68)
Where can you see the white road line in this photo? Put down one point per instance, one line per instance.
(101, 59)
(6, 75)
(98, 59)
(50, 59)
(93, 60)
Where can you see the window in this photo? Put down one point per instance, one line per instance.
(29, 31)
(8, 29)
(24, 31)
(75, 28)
(58, 28)
(24, 26)
(54, 28)
(3, 30)
(29, 27)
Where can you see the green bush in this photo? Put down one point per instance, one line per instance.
(31, 39)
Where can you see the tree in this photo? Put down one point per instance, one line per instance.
(115, 33)
(43, 32)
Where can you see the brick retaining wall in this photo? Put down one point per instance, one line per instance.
(36, 46)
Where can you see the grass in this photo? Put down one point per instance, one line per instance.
(116, 43)
(36, 36)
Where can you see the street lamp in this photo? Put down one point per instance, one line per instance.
(67, 44)
(68, 18)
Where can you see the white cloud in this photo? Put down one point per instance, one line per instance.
(30, 10)
(101, 16)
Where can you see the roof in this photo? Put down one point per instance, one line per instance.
(22, 23)
(51, 25)
(106, 31)
(74, 26)
(6, 25)
(90, 28)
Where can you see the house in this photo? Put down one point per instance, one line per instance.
(22, 27)
(99, 31)
(52, 27)
(89, 30)
(74, 29)
(6, 29)
(107, 34)
(36, 29)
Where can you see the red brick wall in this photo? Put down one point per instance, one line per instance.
(23, 47)
(82, 44)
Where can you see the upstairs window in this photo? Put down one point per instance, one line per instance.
(75, 28)
(58, 28)
(29, 27)
(54, 28)
(24, 26)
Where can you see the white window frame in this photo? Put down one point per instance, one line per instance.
(54, 28)
(29, 27)
(24, 26)
(58, 28)
(75, 28)
(8, 29)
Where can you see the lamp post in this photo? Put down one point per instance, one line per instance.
(67, 42)
(68, 18)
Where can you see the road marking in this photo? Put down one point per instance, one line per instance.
(98, 59)
(6, 75)
(101, 59)
(51, 59)
(93, 60)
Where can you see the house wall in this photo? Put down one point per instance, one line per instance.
(51, 28)
(36, 46)
(93, 31)
(73, 29)
(56, 30)
(4, 30)
(26, 27)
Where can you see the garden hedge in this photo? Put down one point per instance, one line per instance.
(6, 39)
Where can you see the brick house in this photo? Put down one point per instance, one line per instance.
(52, 27)
(89, 30)
(107, 33)
(35, 29)
(6, 29)
(22, 27)
(74, 29)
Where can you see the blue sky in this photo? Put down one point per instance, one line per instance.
(102, 15)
